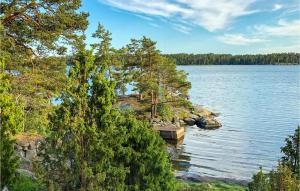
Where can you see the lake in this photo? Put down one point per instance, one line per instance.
(259, 107)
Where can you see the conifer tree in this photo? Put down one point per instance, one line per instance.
(291, 152)
(11, 122)
(92, 146)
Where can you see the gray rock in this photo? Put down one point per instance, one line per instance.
(30, 154)
(25, 163)
(21, 153)
(194, 116)
(22, 143)
(208, 123)
(32, 145)
(25, 173)
(190, 121)
(17, 147)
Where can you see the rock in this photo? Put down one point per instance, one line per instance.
(30, 154)
(208, 123)
(32, 145)
(193, 116)
(22, 143)
(25, 163)
(21, 153)
(25, 173)
(17, 147)
(190, 121)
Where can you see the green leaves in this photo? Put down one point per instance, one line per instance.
(292, 153)
(11, 122)
(286, 176)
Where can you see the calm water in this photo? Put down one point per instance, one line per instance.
(259, 107)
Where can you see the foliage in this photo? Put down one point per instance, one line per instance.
(228, 59)
(92, 146)
(209, 186)
(280, 179)
(25, 183)
(260, 182)
(285, 177)
(155, 77)
(11, 122)
(146, 158)
(165, 111)
(291, 152)
(30, 32)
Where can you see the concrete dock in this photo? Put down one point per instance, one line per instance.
(170, 132)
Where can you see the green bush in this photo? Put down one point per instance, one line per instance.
(277, 180)
(260, 182)
(25, 183)
(286, 176)
(165, 111)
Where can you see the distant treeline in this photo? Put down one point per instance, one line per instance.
(228, 59)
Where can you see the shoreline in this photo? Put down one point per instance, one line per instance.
(205, 179)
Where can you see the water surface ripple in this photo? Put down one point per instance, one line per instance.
(259, 107)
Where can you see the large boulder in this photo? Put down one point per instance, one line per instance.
(190, 121)
(208, 123)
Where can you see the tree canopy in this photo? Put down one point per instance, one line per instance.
(33, 34)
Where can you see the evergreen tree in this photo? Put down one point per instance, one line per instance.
(92, 146)
(260, 182)
(11, 122)
(291, 152)
(30, 31)
(146, 158)
(154, 76)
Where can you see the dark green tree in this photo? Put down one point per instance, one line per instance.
(148, 163)
(291, 152)
(11, 122)
(91, 145)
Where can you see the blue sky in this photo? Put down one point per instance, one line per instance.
(201, 26)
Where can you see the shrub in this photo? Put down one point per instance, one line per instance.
(165, 111)
(25, 183)
(260, 182)
(291, 152)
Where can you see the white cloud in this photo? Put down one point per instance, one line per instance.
(276, 7)
(182, 28)
(239, 39)
(210, 15)
(282, 29)
(144, 17)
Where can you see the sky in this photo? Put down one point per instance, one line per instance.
(201, 26)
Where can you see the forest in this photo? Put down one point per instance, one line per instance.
(228, 59)
(57, 88)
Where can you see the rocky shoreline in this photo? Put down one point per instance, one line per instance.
(198, 115)
(200, 179)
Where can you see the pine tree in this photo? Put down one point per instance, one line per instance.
(92, 146)
(291, 152)
(32, 30)
(11, 122)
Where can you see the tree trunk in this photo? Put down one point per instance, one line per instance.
(140, 96)
(155, 104)
(152, 104)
